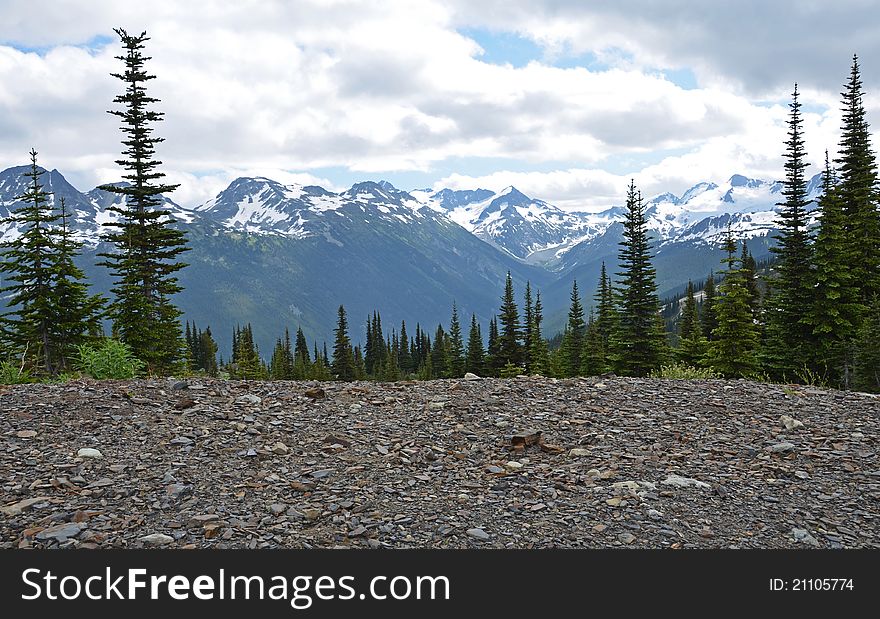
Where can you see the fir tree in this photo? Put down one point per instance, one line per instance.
(735, 339)
(836, 309)
(208, 352)
(476, 355)
(510, 349)
(440, 354)
(78, 314)
(343, 361)
(247, 364)
(789, 340)
(692, 346)
(539, 355)
(360, 369)
(573, 340)
(493, 361)
(639, 341)
(528, 316)
(144, 260)
(404, 360)
(593, 354)
(606, 314)
(52, 311)
(857, 190)
(708, 318)
(456, 346)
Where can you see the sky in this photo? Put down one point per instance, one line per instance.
(567, 100)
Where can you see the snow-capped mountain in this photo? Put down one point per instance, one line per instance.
(511, 220)
(89, 211)
(280, 255)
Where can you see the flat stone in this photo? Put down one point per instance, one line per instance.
(580, 452)
(281, 449)
(89, 452)
(156, 539)
(781, 448)
(479, 534)
(22, 506)
(26, 433)
(61, 532)
(677, 481)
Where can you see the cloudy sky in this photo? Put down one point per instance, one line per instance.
(565, 99)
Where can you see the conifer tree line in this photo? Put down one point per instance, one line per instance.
(812, 315)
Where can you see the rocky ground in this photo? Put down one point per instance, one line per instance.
(521, 463)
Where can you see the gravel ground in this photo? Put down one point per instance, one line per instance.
(519, 463)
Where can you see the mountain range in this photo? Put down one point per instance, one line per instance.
(281, 256)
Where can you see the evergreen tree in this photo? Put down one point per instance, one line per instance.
(475, 352)
(708, 318)
(360, 369)
(278, 362)
(539, 355)
(692, 346)
(493, 361)
(208, 352)
(390, 369)
(638, 342)
(750, 274)
(606, 314)
(343, 360)
(456, 346)
(144, 260)
(857, 190)
(78, 314)
(247, 364)
(593, 354)
(527, 328)
(440, 354)
(735, 339)
(51, 310)
(510, 349)
(404, 360)
(573, 340)
(788, 339)
(836, 309)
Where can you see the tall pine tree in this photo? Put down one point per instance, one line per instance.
(857, 190)
(343, 359)
(835, 309)
(510, 348)
(638, 342)
(456, 346)
(735, 339)
(475, 352)
(788, 338)
(146, 248)
(573, 340)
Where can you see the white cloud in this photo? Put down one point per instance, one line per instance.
(288, 88)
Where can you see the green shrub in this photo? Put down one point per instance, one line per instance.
(683, 371)
(109, 359)
(12, 373)
(511, 371)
